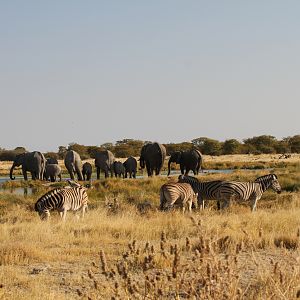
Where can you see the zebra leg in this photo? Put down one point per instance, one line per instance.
(84, 208)
(63, 215)
(253, 204)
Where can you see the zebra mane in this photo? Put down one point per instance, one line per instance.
(264, 177)
(189, 178)
(50, 192)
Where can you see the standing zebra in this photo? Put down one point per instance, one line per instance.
(207, 190)
(172, 192)
(239, 191)
(73, 197)
(248, 191)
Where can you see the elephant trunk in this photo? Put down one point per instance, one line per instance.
(11, 172)
(169, 165)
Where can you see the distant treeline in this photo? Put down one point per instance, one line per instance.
(264, 144)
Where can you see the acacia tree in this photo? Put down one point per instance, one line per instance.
(294, 143)
(208, 146)
(231, 146)
(262, 143)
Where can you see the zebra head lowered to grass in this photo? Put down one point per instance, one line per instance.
(73, 197)
(182, 193)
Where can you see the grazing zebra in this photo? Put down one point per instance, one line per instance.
(207, 190)
(242, 191)
(73, 197)
(248, 191)
(172, 192)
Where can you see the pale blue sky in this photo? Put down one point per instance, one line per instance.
(99, 71)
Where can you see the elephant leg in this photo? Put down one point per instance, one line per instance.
(78, 172)
(187, 170)
(24, 174)
(52, 178)
(182, 169)
(106, 173)
(59, 176)
(149, 169)
(70, 170)
(98, 173)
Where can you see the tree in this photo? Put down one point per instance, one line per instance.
(263, 143)
(208, 146)
(62, 150)
(294, 143)
(231, 146)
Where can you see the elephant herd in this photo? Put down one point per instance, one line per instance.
(152, 158)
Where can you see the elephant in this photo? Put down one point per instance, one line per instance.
(104, 161)
(152, 156)
(119, 169)
(52, 171)
(188, 160)
(33, 162)
(73, 164)
(130, 166)
(52, 161)
(87, 171)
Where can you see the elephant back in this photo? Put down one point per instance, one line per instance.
(130, 163)
(162, 154)
(104, 157)
(199, 155)
(154, 153)
(72, 157)
(51, 161)
(87, 167)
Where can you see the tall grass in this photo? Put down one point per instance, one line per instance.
(130, 250)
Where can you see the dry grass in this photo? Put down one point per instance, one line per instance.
(130, 250)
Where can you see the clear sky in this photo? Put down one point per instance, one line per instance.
(99, 71)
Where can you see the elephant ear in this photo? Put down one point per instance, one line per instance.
(73, 183)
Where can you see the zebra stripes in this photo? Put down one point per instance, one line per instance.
(248, 191)
(234, 190)
(177, 192)
(72, 198)
(207, 190)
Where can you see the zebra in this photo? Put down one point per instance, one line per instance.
(73, 197)
(240, 191)
(206, 190)
(172, 192)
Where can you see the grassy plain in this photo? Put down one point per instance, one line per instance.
(130, 250)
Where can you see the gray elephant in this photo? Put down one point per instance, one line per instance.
(152, 157)
(51, 161)
(119, 169)
(33, 162)
(52, 171)
(104, 161)
(188, 160)
(73, 164)
(130, 166)
(87, 171)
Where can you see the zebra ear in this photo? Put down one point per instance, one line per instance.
(73, 183)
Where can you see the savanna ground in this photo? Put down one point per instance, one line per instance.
(130, 250)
